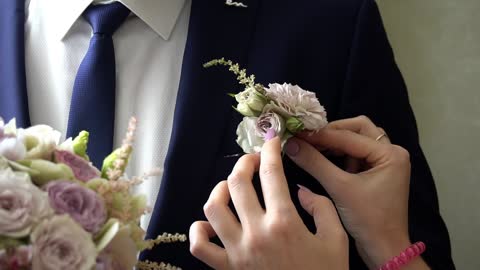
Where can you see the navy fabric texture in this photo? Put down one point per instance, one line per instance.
(93, 98)
(339, 49)
(13, 84)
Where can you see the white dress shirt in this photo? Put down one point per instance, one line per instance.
(149, 49)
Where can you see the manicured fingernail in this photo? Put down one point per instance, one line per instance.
(292, 148)
(270, 134)
(303, 188)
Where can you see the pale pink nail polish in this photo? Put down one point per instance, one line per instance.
(292, 148)
(303, 188)
(270, 134)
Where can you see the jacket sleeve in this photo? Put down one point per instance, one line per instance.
(374, 87)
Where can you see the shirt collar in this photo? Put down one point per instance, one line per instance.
(160, 15)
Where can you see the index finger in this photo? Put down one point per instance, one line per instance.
(272, 177)
(242, 191)
(361, 125)
(350, 143)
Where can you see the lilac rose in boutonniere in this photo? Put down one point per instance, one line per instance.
(251, 131)
(280, 109)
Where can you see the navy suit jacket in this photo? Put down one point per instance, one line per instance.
(337, 48)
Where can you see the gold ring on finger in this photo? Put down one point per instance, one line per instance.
(380, 136)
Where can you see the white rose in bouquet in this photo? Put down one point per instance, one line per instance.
(22, 204)
(40, 141)
(60, 243)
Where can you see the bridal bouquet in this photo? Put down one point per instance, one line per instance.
(281, 109)
(57, 211)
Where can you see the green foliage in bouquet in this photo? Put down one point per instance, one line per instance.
(51, 193)
(80, 144)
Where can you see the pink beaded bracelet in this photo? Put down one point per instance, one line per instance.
(405, 257)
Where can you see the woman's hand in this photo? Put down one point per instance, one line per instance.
(270, 238)
(371, 196)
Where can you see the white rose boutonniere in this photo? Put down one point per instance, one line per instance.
(279, 109)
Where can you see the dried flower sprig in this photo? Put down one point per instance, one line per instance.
(137, 180)
(165, 238)
(121, 156)
(242, 77)
(149, 244)
(148, 265)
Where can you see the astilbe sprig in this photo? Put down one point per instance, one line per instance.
(165, 238)
(128, 208)
(117, 190)
(242, 77)
(161, 239)
(124, 152)
(148, 265)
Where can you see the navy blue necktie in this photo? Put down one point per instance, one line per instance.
(93, 98)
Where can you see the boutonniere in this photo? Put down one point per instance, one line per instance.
(235, 4)
(281, 110)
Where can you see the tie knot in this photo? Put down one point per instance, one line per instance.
(105, 19)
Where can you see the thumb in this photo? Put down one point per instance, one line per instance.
(323, 212)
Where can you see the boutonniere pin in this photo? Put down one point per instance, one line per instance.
(235, 4)
(282, 109)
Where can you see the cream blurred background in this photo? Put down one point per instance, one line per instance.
(437, 46)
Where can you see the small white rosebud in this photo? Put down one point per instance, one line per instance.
(250, 102)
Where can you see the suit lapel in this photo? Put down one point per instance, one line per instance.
(203, 109)
(13, 91)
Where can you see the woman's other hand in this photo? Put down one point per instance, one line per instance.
(270, 238)
(371, 194)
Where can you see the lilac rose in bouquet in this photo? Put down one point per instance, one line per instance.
(57, 211)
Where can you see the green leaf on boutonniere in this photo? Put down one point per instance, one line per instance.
(294, 125)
